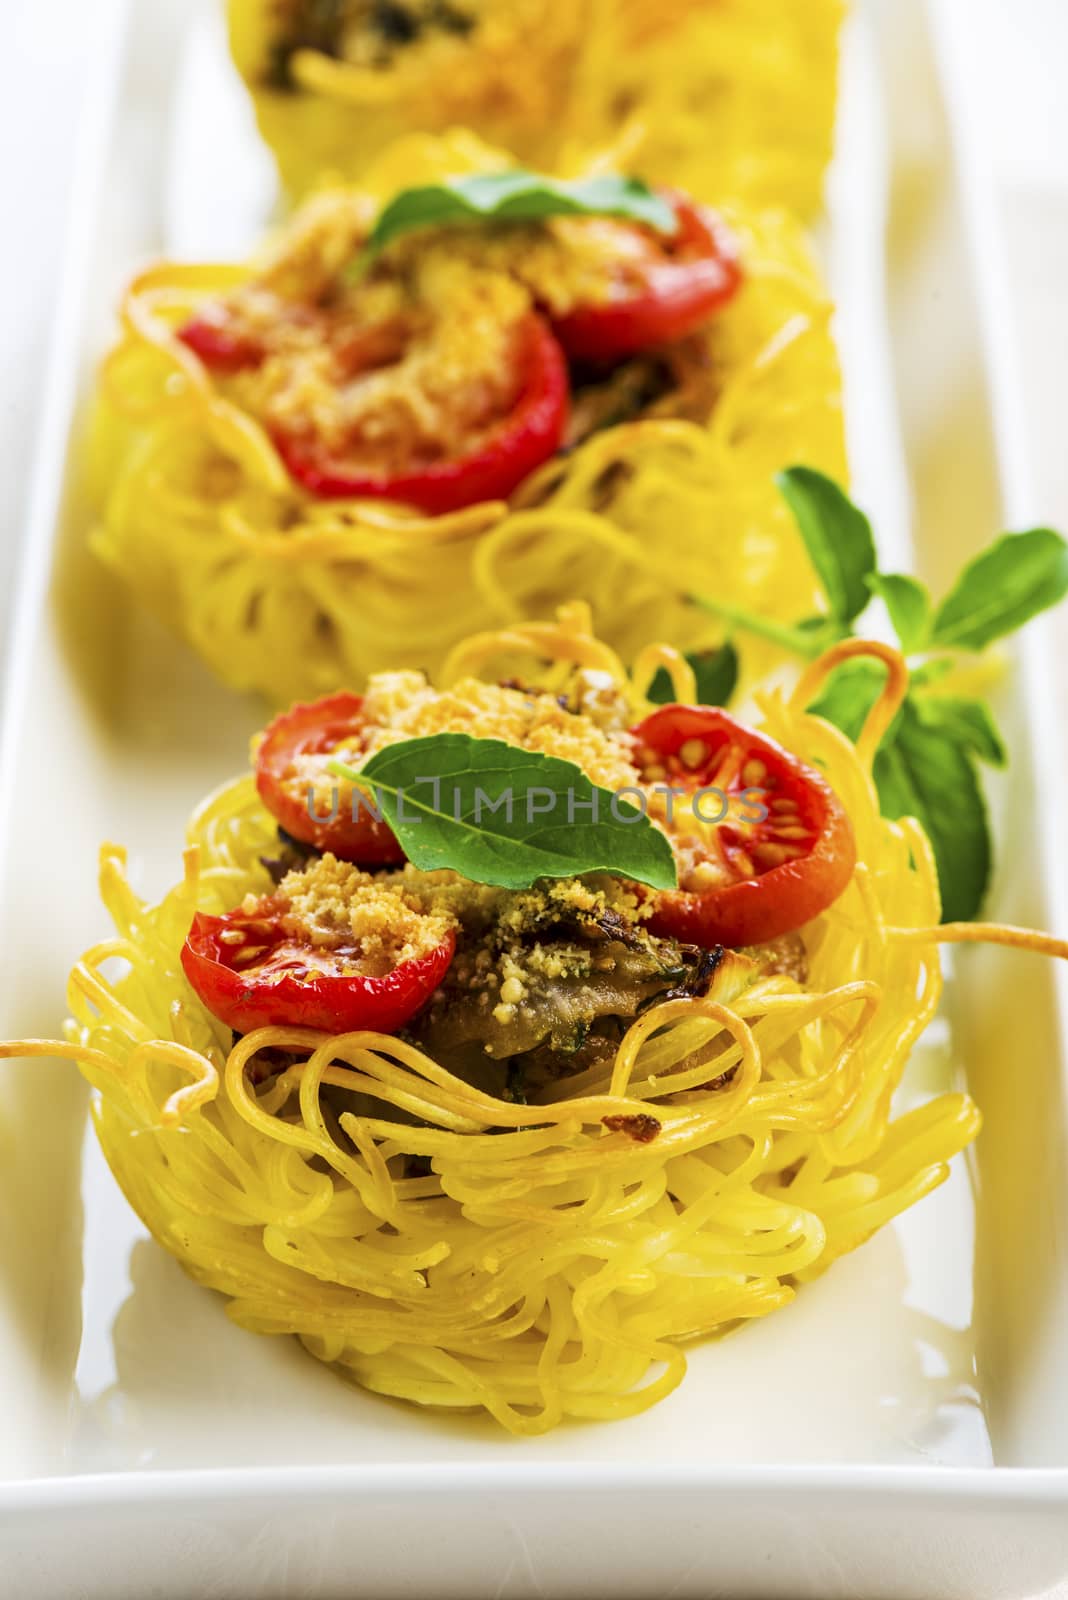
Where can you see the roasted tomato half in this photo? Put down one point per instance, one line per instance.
(504, 452)
(681, 281)
(743, 878)
(294, 785)
(508, 451)
(251, 973)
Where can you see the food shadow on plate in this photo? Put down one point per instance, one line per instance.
(42, 1120)
(175, 1384)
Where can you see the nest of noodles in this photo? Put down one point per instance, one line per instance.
(295, 596)
(544, 1267)
(717, 96)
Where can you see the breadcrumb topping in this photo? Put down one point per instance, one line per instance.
(589, 729)
(376, 921)
(405, 706)
(412, 372)
(559, 967)
(418, 359)
(524, 956)
(562, 261)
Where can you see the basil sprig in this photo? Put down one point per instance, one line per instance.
(504, 816)
(928, 764)
(715, 673)
(837, 536)
(514, 196)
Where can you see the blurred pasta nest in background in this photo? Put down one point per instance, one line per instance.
(294, 596)
(718, 96)
(535, 1261)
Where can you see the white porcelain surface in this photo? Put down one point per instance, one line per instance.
(899, 1430)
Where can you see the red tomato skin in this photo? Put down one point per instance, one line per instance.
(331, 1004)
(680, 294)
(781, 899)
(221, 348)
(521, 442)
(740, 914)
(312, 728)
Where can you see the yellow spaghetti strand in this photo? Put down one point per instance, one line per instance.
(716, 96)
(447, 1246)
(890, 699)
(1043, 944)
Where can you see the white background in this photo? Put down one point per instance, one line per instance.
(1020, 50)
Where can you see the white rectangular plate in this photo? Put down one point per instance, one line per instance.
(898, 1430)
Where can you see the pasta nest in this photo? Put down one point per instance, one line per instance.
(294, 596)
(717, 96)
(535, 1265)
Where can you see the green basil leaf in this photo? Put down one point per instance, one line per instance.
(806, 639)
(516, 196)
(716, 672)
(500, 815)
(931, 671)
(925, 768)
(924, 774)
(1019, 575)
(837, 535)
(823, 626)
(969, 723)
(909, 605)
(849, 694)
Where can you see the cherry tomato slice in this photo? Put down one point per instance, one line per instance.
(220, 341)
(294, 750)
(251, 974)
(689, 277)
(764, 877)
(531, 433)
